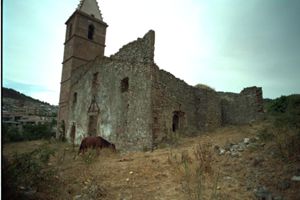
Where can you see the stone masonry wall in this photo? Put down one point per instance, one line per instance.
(130, 102)
(123, 117)
(208, 109)
(171, 95)
(140, 50)
(199, 109)
(243, 107)
(121, 93)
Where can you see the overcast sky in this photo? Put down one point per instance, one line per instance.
(226, 44)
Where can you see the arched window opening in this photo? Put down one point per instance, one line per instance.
(91, 32)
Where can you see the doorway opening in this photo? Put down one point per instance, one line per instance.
(177, 121)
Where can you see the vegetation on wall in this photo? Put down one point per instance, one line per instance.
(205, 87)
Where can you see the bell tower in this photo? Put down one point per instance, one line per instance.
(84, 41)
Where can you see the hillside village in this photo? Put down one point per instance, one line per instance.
(19, 109)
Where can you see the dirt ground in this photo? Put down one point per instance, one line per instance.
(172, 172)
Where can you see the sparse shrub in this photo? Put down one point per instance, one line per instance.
(204, 157)
(29, 132)
(204, 86)
(214, 193)
(173, 159)
(265, 135)
(172, 139)
(11, 134)
(288, 142)
(89, 156)
(38, 131)
(191, 132)
(107, 152)
(146, 148)
(195, 173)
(286, 111)
(199, 189)
(279, 105)
(27, 171)
(61, 157)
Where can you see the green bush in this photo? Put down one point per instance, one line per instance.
(287, 141)
(26, 171)
(29, 132)
(265, 134)
(11, 134)
(38, 131)
(279, 105)
(204, 86)
(285, 111)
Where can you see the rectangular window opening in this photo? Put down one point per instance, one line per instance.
(95, 79)
(124, 84)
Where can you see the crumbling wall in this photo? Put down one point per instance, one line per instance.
(171, 98)
(208, 111)
(130, 102)
(140, 50)
(198, 109)
(242, 108)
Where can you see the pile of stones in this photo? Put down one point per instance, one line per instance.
(235, 150)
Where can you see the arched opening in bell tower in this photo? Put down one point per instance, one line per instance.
(91, 32)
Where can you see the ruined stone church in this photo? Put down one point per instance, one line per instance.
(127, 99)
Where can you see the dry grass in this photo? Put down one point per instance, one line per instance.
(192, 170)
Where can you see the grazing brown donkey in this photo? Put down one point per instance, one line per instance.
(95, 142)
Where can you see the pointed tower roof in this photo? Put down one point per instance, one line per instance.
(90, 7)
